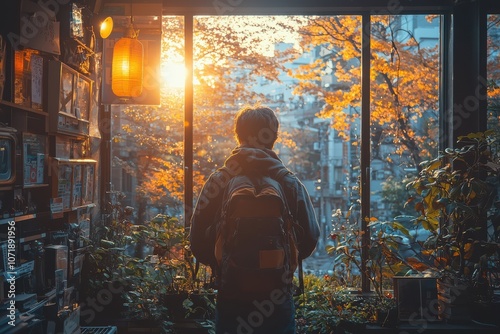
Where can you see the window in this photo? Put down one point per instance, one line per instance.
(317, 76)
(404, 106)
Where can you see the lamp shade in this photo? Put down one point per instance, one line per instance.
(106, 27)
(127, 67)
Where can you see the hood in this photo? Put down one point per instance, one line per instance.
(253, 160)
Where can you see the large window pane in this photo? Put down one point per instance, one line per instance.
(147, 141)
(299, 66)
(404, 106)
(308, 69)
(404, 113)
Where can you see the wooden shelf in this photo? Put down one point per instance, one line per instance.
(25, 217)
(35, 185)
(20, 107)
(32, 237)
(7, 187)
(4, 221)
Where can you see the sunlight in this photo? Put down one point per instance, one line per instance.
(173, 74)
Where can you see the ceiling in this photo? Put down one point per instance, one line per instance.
(276, 7)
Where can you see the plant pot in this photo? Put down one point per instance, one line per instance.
(416, 298)
(143, 326)
(203, 306)
(190, 326)
(486, 312)
(174, 303)
(454, 299)
(347, 326)
(108, 304)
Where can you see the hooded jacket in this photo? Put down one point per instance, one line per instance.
(249, 160)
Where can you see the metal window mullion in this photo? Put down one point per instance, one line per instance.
(446, 83)
(365, 147)
(482, 89)
(188, 119)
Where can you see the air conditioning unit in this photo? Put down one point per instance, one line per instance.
(416, 298)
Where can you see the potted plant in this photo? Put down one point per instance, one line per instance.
(314, 313)
(326, 307)
(455, 193)
(384, 261)
(106, 251)
(138, 283)
(386, 312)
(166, 288)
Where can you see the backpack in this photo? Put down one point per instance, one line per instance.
(256, 246)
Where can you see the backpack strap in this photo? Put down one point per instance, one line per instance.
(227, 172)
(280, 175)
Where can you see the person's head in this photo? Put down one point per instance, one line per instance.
(256, 126)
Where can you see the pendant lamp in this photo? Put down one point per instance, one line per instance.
(106, 27)
(127, 66)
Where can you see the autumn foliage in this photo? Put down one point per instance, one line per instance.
(230, 56)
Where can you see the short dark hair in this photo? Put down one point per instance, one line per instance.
(256, 126)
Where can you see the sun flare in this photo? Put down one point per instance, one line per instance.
(173, 75)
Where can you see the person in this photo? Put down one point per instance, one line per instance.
(256, 130)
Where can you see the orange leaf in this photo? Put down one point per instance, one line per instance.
(468, 251)
(417, 264)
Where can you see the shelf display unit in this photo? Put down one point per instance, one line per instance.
(73, 183)
(48, 120)
(88, 183)
(3, 64)
(69, 100)
(28, 79)
(7, 155)
(34, 153)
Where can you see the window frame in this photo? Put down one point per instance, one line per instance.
(455, 84)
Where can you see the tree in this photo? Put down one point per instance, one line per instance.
(404, 82)
(228, 61)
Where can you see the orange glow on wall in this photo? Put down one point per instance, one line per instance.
(127, 67)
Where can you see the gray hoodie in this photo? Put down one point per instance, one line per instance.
(249, 160)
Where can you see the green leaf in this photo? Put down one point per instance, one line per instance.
(330, 249)
(435, 164)
(392, 243)
(398, 226)
(428, 225)
(107, 243)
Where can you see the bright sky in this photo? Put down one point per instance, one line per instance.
(173, 73)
